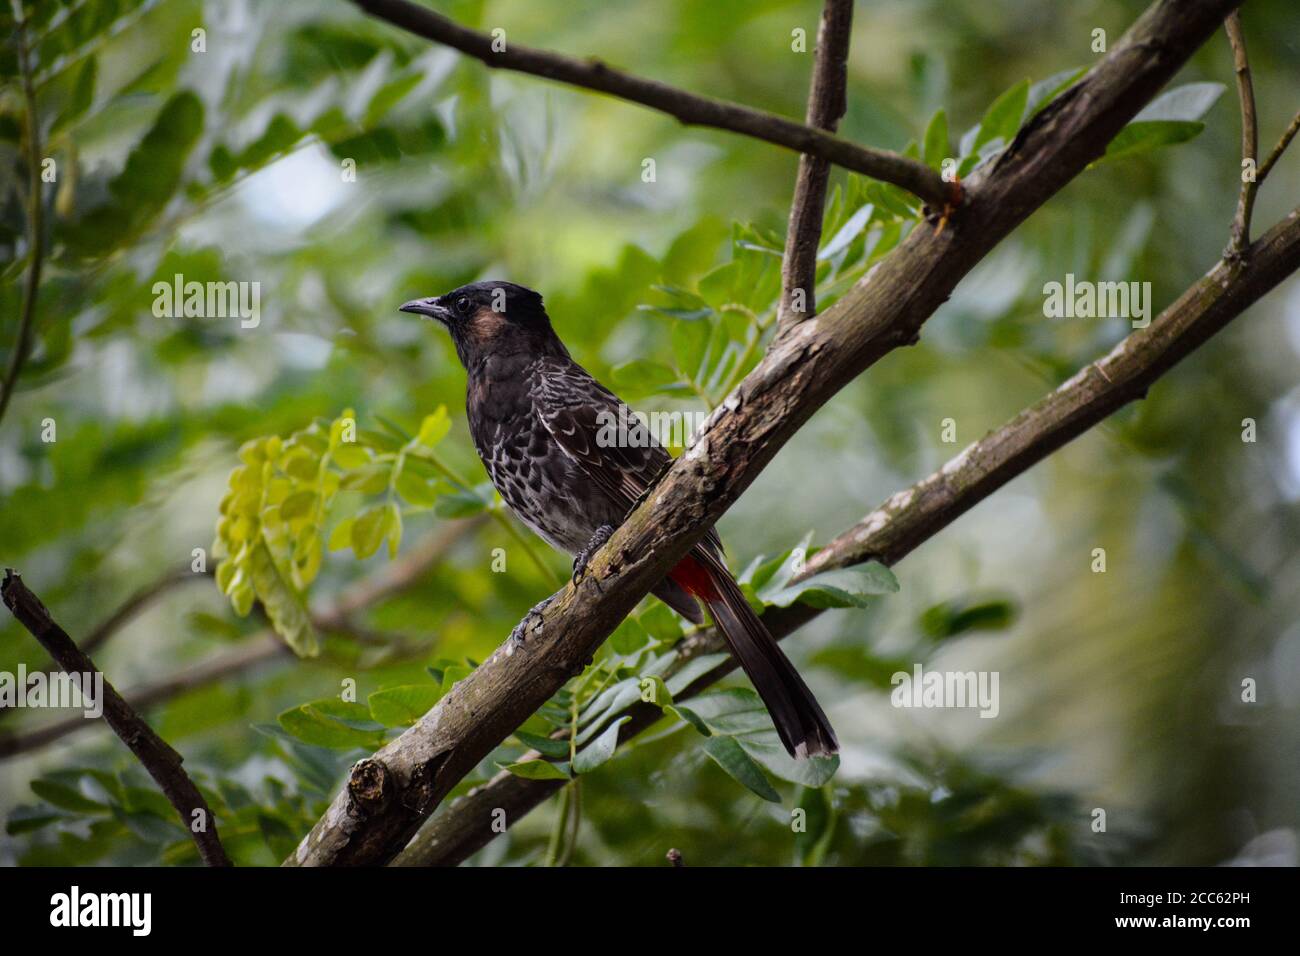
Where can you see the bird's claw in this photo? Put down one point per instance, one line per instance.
(519, 635)
(580, 559)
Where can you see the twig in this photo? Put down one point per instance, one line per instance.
(35, 219)
(159, 759)
(1287, 135)
(827, 102)
(913, 516)
(1249, 136)
(690, 109)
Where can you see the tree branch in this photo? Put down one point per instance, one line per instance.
(392, 579)
(1249, 134)
(915, 515)
(1287, 135)
(390, 794)
(160, 760)
(688, 108)
(827, 102)
(35, 219)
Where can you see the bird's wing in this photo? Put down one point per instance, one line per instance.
(614, 449)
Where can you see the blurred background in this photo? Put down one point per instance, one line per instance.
(1119, 691)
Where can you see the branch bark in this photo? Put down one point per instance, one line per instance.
(390, 794)
(689, 108)
(827, 102)
(916, 514)
(159, 759)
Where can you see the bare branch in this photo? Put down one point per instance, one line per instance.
(392, 579)
(915, 515)
(35, 218)
(389, 795)
(159, 759)
(1249, 134)
(827, 101)
(1288, 134)
(688, 108)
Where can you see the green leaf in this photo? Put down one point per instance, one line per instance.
(65, 797)
(937, 148)
(629, 638)
(731, 757)
(661, 623)
(394, 534)
(369, 530)
(600, 749)
(415, 490)
(961, 616)
(1143, 137)
(146, 183)
(283, 602)
(547, 746)
(1042, 93)
(1185, 103)
(83, 94)
(403, 706)
(297, 505)
(843, 587)
(641, 377)
(434, 428)
(813, 840)
(1002, 118)
(369, 479)
(330, 723)
(341, 536)
(690, 340)
(536, 770)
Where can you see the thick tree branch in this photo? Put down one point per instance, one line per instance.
(690, 109)
(35, 218)
(915, 515)
(392, 579)
(159, 759)
(389, 795)
(1249, 133)
(827, 102)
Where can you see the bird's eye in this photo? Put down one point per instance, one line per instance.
(462, 305)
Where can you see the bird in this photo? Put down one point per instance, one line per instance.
(571, 461)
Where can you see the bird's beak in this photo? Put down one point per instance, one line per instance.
(428, 307)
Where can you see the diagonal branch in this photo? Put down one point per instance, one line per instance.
(392, 579)
(913, 516)
(689, 108)
(389, 795)
(827, 101)
(162, 762)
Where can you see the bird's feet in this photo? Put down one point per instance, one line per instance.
(580, 559)
(531, 623)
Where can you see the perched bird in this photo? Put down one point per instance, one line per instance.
(543, 428)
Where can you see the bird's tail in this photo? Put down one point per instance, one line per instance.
(800, 723)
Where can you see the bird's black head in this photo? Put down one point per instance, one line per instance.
(492, 318)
